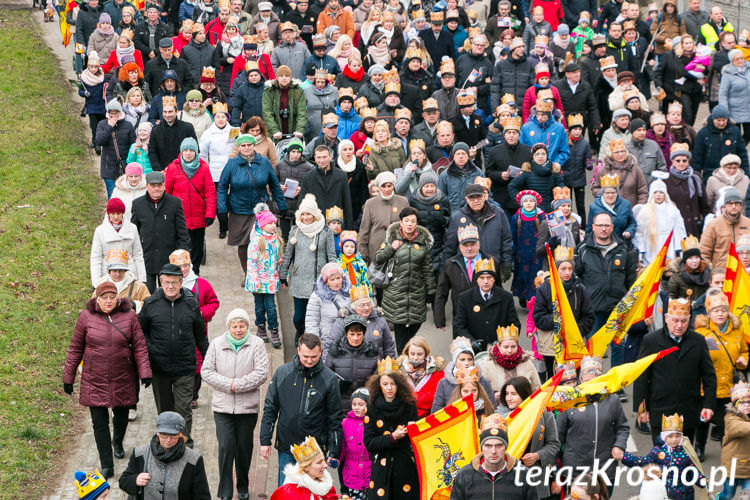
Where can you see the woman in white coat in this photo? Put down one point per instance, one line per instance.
(215, 146)
(130, 186)
(117, 235)
(656, 219)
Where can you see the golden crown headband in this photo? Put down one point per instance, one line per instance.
(507, 333)
(387, 366)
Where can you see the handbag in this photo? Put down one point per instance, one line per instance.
(120, 161)
(380, 274)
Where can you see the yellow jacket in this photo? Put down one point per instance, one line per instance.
(735, 345)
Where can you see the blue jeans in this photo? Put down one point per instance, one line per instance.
(730, 489)
(110, 185)
(265, 307)
(284, 458)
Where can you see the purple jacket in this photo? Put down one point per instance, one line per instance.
(354, 457)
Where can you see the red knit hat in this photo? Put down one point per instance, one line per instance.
(115, 206)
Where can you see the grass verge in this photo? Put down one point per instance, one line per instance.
(49, 201)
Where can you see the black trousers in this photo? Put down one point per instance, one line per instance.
(286, 225)
(745, 132)
(197, 242)
(152, 281)
(580, 195)
(175, 394)
(100, 423)
(235, 436)
(403, 333)
(701, 432)
(93, 122)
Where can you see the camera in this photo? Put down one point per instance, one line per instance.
(284, 114)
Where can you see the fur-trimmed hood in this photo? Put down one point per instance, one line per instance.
(273, 83)
(432, 363)
(476, 462)
(393, 144)
(123, 305)
(554, 168)
(123, 184)
(424, 237)
(703, 321)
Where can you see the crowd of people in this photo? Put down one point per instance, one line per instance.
(375, 158)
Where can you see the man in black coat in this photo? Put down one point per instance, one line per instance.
(85, 21)
(155, 68)
(608, 14)
(618, 48)
(329, 185)
(476, 59)
(513, 75)
(173, 327)
(437, 41)
(483, 308)
(161, 226)
(717, 139)
(494, 231)
(578, 97)
(166, 137)
(674, 383)
(502, 156)
(149, 33)
(199, 54)
(319, 417)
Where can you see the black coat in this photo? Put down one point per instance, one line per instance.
(109, 165)
(153, 73)
(393, 464)
(540, 178)
(435, 217)
(358, 189)
(580, 304)
(608, 14)
(472, 482)
(478, 320)
(354, 365)
(306, 402)
(482, 63)
(86, 22)
(333, 193)
(673, 383)
(224, 70)
(624, 57)
(494, 233)
(511, 76)
(574, 170)
(582, 102)
(712, 144)
(342, 82)
(672, 68)
(454, 280)
(374, 96)
(438, 47)
(589, 69)
(164, 144)
(173, 330)
(161, 228)
(607, 278)
(422, 80)
(247, 102)
(573, 8)
(198, 56)
(141, 39)
(603, 89)
(472, 134)
(499, 159)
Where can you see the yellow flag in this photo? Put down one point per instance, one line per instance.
(603, 386)
(637, 305)
(523, 420)
(443, 443)
(737, 288)
(569, 345)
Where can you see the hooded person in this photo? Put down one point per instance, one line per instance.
(656, 219)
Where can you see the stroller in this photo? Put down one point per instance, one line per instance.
(283, 144)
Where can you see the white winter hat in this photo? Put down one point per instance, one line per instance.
(238, 314)
(309, 205)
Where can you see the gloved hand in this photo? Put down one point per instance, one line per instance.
(283, 282)
(68, 388)
(209, 221)
(478, 345)
(507, 272)
(146, 382)
(553, 242)
(87, 93)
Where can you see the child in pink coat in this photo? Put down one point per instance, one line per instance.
(355, 461)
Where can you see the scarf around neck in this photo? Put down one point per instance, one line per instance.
(109, 32)
(507, 362)
(431, 199)
(380, 56)
(357, 77)
(319, 487)
(236, 344)
(189, 280)
(92, 79)
(124, 51)
(167, 456)
(190, 168)
(312, 229)
(694, 185)
(347, 264)
(347, 166)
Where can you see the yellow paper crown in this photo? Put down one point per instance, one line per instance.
(221, 107)
(444, 125)
(417, 143)
(393, 87)
(592, 363)
(359, 292)
(250, 39)
(674, 106)
(740, 390)
(507, 333)
(679, 307)
(391, 76)
(360, 103)
(719, 299)
(541, 40)
(198, 27)
(289, 26)
(630, 94)
(484, 265)
(319, 40)
(168, 100)
(346, 92)
(321, 73)
(369, 113)
(464, 375)
(545, 95)
(617, 145)
(607, 62)
(465, 99)
(485, 182)
(575, 120)
(348, 236)
(249, 66)
(127, 32)
(689, 243)
(387, 366)
(305, 452)
(413, 53)
(513, 123)
(494, 421)
(460, 343)
(564, 254)
(672, 423)
(208, 72)
(330, 118)
(447, 66)
(541, 68)
(610, 181)
(417, 15)
(430, 104)
(570, 372)
(403, 114)
(469, 231)
(90, 484)
(436, 16)
(560, 193)
(679, 146)
(179, 257)
(545, 105)
(509, 99)
(117, 256)
(187, 25)
(224, 4)
(334, 213)
(627, 26)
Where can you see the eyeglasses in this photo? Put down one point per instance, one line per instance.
(165, 435)
(170, 284)
(680, 160)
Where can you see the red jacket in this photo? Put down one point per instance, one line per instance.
(291, 491)
(179, 42)
(209, 304)
(264, 64)
(113, 62)
(553, 12)
(425, 392)
(198, 195)
(529, 100)
(214, 30)
(108, 377)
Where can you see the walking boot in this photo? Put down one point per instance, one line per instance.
(275, 339)
(261, 333)
(700, 451)
(119, 451)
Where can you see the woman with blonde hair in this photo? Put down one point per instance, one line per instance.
(423, 371)
(352, 74)
(135, 108)
(368, 27)
(387, 153)
(343, 50)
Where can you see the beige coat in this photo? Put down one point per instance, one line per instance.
(716, 238)
(264, 148)
(719, 179)
(247, 368)
(497, 375)
(378, 214)
(633, 186)
(736, 442)
(128, 288)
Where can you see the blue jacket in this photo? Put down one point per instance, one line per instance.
(247, 192)
(459, 37)
(247, 101)
(622, 218)
(550, 133)
(186, 11)
(348, 123)
(327, 62)
(154, 114)
(453, 182)
(95, 104)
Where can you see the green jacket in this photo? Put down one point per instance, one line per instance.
(386, 159)
(412, 280)
(297, 108)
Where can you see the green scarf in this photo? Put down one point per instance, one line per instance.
(236, 344)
